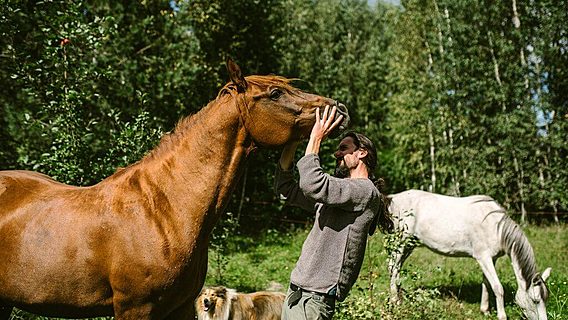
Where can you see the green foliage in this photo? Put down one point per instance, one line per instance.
(59, 117)
(257, 263)
(132, 142)
(439, 86)
(339, 48)
(396, 241)
(220, 241)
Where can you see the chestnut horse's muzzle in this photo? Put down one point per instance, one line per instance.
(341, 110)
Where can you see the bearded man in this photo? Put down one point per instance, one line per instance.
(347, 207)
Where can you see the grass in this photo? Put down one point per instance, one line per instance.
(435, 287)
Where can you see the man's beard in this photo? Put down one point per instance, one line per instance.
(341, 170)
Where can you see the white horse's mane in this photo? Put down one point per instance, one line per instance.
(514, 241)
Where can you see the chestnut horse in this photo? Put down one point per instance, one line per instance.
(135, 244)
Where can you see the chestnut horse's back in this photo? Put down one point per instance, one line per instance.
(20, 188)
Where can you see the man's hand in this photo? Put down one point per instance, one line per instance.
(322, 128)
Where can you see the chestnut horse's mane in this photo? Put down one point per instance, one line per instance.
(270, 80)
(172, 138)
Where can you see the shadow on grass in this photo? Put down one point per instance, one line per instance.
(268, 238)
(470, 292)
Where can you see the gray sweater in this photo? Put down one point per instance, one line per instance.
(333, 253)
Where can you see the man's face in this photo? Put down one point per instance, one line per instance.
(347, 157)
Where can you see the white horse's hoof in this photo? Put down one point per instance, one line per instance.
(395, 300)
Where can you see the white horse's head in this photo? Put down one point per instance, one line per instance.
(532, 299)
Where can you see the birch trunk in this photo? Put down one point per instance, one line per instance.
(432, 157)
(431, 140)
(520, 182)
(496, 69)
(544, 166)
(517, 24)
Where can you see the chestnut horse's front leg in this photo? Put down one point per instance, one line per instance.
(143, 312)
(184, 312)
(5, 313)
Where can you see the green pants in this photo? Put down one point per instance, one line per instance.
(309, 307)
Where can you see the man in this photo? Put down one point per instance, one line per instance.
(345, 207)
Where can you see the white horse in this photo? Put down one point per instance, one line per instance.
(475, 227)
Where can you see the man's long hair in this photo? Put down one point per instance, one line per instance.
(383, 218)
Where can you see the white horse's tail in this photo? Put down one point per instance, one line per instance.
(383, 217)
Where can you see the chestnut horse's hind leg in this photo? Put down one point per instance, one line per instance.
(5, 313)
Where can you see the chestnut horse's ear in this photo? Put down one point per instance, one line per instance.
(236, 75)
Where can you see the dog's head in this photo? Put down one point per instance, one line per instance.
(211, 299)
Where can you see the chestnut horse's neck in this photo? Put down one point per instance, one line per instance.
(201, 160)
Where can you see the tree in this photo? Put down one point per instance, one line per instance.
(462, 109)
(64, 106)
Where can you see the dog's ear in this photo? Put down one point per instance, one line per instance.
(221, 292)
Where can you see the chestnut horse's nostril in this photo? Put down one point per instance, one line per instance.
(341, 107)
(341, 110)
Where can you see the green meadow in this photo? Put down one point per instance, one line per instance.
(434, 286)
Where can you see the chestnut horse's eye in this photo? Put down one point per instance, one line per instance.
(275, 94)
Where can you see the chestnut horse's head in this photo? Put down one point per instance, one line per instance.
(273, 111)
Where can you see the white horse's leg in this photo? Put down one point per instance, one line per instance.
(396, 260)
(489, 272)
(395, 263)
(484, 307)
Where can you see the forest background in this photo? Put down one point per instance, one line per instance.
(461, 97)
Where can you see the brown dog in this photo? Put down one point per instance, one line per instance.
(220, 303)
